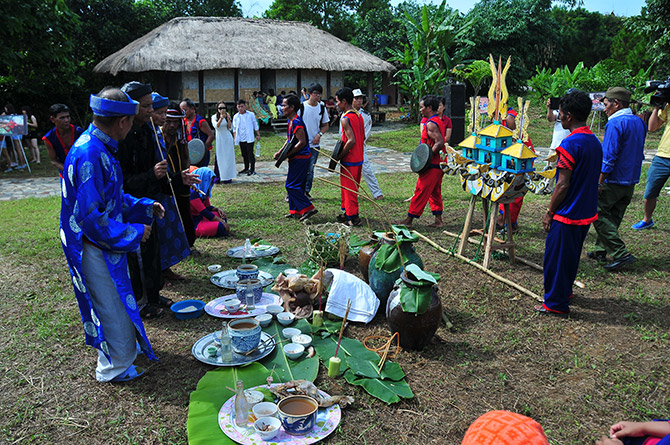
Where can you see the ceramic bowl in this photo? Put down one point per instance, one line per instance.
(253, 398)
(274, 309)
(265, 409)
(289, 272)
(285, 318)
(246, 271)
(267, 427)
(232, 304)
(293, 350)
(214, 268)
(245, 334)
(187, 309)
(297, 423)
(302, 339)
(288, 333)
(264, 319)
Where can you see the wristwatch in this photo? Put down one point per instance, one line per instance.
(320, 134)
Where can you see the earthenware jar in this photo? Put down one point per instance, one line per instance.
(381, 281)
(365, 254)
(415, 330)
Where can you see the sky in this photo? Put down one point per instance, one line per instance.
(626, 8)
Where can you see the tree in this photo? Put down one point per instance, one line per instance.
(37, 50)
(523, 29)
(654, 24)
(474, 72)
(333, 16)
(437, 42)
(578, 26)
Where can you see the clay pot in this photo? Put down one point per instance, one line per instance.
(382, 282)
(365, 255)
(415, 330)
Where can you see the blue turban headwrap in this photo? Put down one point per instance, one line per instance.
(159, 101)
(113, 108)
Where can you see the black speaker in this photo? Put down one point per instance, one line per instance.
(454, 95)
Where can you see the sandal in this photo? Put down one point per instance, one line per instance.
(163, 301)
(131, 373)
(150, 311)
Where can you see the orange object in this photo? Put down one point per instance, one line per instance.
(504, 428)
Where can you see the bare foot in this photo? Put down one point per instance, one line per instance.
(438, 222)
(407, 222)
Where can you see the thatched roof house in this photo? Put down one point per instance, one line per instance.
(214, 58)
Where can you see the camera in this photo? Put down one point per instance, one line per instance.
(661, 90)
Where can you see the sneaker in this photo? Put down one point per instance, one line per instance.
(9, 170)
(243, 172)
(598, 256)
(21, 167)
(355, 221)
(619, 263)
(308, 215)
(643, 225)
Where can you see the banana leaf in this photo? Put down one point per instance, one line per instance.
(366, 368)
(210, 394)
(283, 368)
(385, 390)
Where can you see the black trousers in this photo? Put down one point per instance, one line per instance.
(247, 149)
(150, 269)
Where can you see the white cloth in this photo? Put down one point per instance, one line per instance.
(559, 132)
(345, 287)
(225, 150)
(244, 126)
(313, 120)
(120, 332)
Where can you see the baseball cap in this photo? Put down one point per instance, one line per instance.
(357, 92)
(618, 93)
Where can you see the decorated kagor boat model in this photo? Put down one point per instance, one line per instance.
(495, 162)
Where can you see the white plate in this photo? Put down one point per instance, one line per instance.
(199, 351)
(228, 279)
(216, 308)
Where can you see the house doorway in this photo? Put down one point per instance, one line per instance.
(267, 80)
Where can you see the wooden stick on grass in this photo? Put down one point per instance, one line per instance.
(344, 321)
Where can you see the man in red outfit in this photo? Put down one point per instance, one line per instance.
(351, 159)
(429, 185)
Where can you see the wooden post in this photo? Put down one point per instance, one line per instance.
(467, 226)
(201, 93)
(491, 232)
(510, 235)
(369, 92)
(236, 85)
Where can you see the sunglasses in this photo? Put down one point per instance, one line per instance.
(222, 108)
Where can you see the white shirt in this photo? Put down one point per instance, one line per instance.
(559, 132)
(313, 120)
(244, 126)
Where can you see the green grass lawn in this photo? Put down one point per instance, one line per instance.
(608, 362)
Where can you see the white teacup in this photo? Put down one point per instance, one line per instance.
(232, 304)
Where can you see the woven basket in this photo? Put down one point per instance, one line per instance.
(328, 243)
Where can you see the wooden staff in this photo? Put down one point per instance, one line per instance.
(480, 267)
(174, 197)
(344, 324)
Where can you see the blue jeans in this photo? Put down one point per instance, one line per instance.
(310, 172)
(658, 174)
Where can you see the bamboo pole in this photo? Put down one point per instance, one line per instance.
(480, 267)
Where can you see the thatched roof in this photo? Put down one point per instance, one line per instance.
(209, 43)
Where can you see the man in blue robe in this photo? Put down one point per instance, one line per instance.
(99, 225)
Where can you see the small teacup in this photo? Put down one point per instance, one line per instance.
(245, 334)
(232, 304)
(256, 289)
(247, 271)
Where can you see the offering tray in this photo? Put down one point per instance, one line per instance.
(228, 279)
(256, 251)
(199, 351)
(326, 421)
(216, 308)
